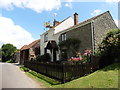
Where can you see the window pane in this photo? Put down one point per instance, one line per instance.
(46, 38)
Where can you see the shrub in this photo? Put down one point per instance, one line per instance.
(38, 58)
(44, 58)
(71, 44)
(109, 49)
(85, 58)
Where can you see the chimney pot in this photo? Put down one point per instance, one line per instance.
(75, 18)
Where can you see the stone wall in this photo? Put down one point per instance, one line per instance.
(83, 33)
(102, 25)
(32, 55)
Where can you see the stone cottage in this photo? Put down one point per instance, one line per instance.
(29, 52)
(89, 32)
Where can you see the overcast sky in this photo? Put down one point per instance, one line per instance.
(22, 21)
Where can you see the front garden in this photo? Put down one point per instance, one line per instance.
(104, 78)
(81, 64)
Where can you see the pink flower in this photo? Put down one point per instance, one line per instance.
(74, 59)
(80, 58)
(79, 53)
(85, 54)
(88, 51)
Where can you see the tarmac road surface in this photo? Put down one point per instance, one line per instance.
(13, 77)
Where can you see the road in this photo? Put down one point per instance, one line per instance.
(13, 77)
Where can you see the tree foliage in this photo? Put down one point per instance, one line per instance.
(8, 51)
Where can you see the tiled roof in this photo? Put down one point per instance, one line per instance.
(22, 48)
(30, 45)
(86, 21)
(93, 18)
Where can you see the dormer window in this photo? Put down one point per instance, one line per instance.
(63, 37)
(46, 37)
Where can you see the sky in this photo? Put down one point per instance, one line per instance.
(22, 21)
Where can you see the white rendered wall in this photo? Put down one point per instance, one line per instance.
(53, 34)
(42, 43)
(64, 25)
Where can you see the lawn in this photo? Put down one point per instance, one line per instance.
(104, 78)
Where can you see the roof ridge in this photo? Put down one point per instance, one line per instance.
(60, 22)
(29, 45)
(93, 18)
(87, 20)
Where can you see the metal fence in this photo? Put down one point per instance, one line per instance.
(63, 72)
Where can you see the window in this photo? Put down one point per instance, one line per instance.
(63, 37)
(46, 37)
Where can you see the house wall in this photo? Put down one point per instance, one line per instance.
(102, 25)
(32, 52)
(53, 35)
(43, 44)
(83, 33)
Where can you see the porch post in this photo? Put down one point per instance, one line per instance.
(52, 55)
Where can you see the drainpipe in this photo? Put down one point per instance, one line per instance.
(92, 30)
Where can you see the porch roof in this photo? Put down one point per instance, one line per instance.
(52, 45)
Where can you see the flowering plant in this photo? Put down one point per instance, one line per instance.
(85, 58)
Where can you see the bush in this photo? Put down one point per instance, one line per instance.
(44, 58)
(38, 58)
(109, 49)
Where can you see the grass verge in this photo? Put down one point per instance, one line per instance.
(104, 78)
(42, 78)
(9, 61)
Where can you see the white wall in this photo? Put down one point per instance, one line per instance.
(42, 43)
(53, 34)
(64, 25)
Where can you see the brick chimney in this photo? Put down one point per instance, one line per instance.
(55, 22)
(75, 18)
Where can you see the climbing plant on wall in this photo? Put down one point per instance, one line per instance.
(71, 44)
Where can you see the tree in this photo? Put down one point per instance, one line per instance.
(8, 51)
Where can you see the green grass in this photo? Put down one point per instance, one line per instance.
(104, 78)
(40, 77)
(9, 61)
(45, 84)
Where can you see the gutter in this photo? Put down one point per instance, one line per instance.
(92, 30)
